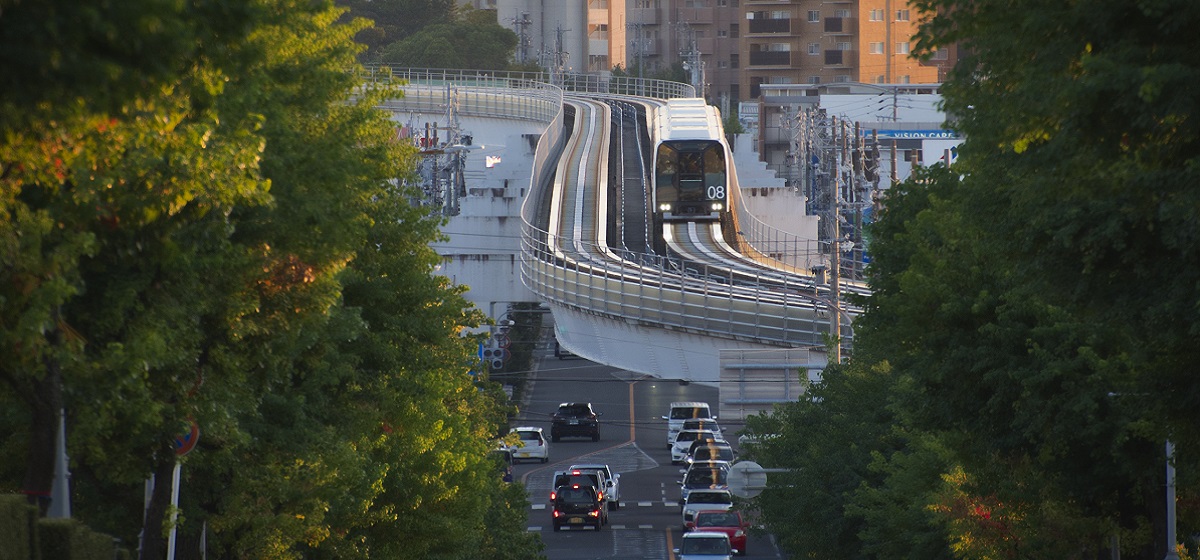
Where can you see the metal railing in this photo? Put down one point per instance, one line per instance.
(573, 82)
(643, 288)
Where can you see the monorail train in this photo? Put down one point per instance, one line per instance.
(691, 162)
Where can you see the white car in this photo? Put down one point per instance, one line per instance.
(533, 444)
(683, 443)
(612, 492)
(684, 410)
(704, 500)
(704, 545)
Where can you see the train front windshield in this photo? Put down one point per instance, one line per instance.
(690, 171)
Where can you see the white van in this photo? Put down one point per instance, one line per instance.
(681, 411)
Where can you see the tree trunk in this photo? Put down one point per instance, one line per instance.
(154, 542)
(45, 403)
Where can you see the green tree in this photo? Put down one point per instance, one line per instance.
(225, 243)
(1041, 296)
(394, 20)
(472, 40)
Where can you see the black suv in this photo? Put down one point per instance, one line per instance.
(575, 419)
(578, 504)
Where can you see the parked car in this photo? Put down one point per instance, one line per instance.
(710, 451)
(504, 463)
(699, 545)
(726, 522)
(704, 500)
(683, 442)
(612, 490)
(532, 445)
(560, 352)
(684, 410)
(575, 419)
(577, 505)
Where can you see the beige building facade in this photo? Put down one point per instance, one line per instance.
(730, 48)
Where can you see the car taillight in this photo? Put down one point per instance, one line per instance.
(557, 513)
(553, 496)
(594, 513)
(599, 495)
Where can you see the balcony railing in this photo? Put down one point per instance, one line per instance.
(770, 58)
(769, 26)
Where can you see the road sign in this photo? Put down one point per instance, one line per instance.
(187, 442)
(747, 479)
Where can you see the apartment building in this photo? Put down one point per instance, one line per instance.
(731, 48)
(832, 41)
(571, 36)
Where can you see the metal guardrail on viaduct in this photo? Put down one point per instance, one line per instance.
(647, 289)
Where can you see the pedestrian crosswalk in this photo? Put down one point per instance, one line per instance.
(669, 504)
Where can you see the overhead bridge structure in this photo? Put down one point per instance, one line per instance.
(706, 302)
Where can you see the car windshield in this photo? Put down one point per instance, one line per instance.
(573, 410)
(576, 496)
(705, 546)
(684, 413)
(717, 520)
(713, 454)
(705, 477)
(710, 498)
(691, 435)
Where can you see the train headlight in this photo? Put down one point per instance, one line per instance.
(664, 207)
(718, 206)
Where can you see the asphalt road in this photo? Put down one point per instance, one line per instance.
(633, 443)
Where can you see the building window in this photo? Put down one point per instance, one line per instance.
(814, 80)
(780, 14)
(722, 3)
(841, 79)
(842, 13)
(902, 48)
(876, 15)
(901, 15)
(879, 79)
(814, 48)
(779, 80)
(780, 47)
(843, 46)
(877, 48)
(722, 64)
(735, 60)
(905, 79)
(941, 54)
(733, 31)
(814, 16)
(721, 33)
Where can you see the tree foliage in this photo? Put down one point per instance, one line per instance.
(395, 20)
(206, 227)
(472, 40)
(1036, 304)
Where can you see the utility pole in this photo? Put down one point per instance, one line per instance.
(522, 23)
(692, 62)
(835, 239)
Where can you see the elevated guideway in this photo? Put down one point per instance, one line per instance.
(706, 308)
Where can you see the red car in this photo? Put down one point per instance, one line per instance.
(729, 522)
